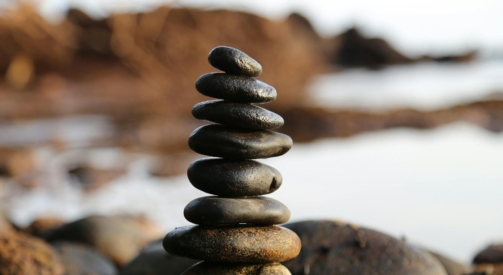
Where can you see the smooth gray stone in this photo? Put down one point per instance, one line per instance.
(233, 143)
(234, 61)
(209, 268)
(237, 114)
(234, 178)
(233, 244)
(225, 211)
(235, 88)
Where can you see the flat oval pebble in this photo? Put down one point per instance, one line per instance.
(220, 211)
(237, 114)
(235, 88)
(234, 61)
(238, 244)
(233, 178)
(209, 268)
(233, 143)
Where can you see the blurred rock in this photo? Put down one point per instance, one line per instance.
(490, 260)
(41, 227)
(5, 224)
(79, 259)
(120, 238)
(23, 254)
(154, 260)
(330, 247)
(89, 177)
(452, 267)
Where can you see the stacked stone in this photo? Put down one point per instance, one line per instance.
(237, 231)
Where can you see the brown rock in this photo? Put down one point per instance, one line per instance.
(245, 244)
(81, 259)
(23, 254)
(120, 238)
(208, 268)
(491, 254)
(42, 226)
(330, 247)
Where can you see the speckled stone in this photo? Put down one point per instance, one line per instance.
(209, 268)
(331, 247)
(234, 178)
(228, 142)
(237, 114)
(234, 61)
(239, 244)
(220, 211)
(235, 88)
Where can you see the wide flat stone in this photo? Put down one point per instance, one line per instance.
(234, 178)
(235, 88)
(234, 143)
(209, 268)
(239, 244)
(221, 211)
(237, 114)
(234, 61)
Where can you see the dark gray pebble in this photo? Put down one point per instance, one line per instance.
(79, 259)
(234, 61)
(234, 244)
(234, 178)
(235, 88)
(228, 142)
(209, 268)
(237, 114)
(221, 211)
(331, 247)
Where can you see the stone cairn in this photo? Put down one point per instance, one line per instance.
(236, 231)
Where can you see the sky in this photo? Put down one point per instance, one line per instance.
(415, 27)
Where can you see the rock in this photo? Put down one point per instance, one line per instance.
(491, 254)
(490, 260)
(43, 226)
(24, 254)
(153, 260)
(330, 247)
(5, 224)
(240, 115)
(452, 267)
(235, 88)
(234, 61)
(80, 259)
(234, 178)
(219, 211)
(243, 243)
(209, 268)
(120, 238)
(227, 142)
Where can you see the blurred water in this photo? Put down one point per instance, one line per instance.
(423, 86)
(440, 188)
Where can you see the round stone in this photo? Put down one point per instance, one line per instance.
(331, 247)
(237, 114)
(238, 244)
(235, 88)
(234, 61)
(220, 211)
(233, 178)
(210, 268)
(234, 143)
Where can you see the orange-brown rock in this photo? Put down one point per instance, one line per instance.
(208, 268)
(23, 254)
(241, 244)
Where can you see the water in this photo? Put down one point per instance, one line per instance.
(423, 86)
(440, 189)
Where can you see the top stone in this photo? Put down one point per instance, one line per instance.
(234, 61)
